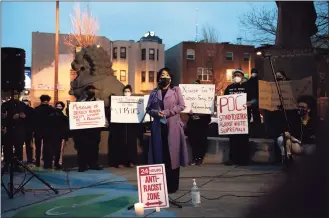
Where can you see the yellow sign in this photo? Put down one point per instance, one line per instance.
(291, 90)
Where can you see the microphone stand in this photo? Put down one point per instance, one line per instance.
(281, 107)
(153, 150)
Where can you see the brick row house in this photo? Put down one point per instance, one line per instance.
(212, 63)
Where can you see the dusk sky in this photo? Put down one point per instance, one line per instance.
(172, 21)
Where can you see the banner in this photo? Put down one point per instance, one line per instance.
(291, 90)
(232, 114)
(127, 109)
(87, 114)
(198, 97)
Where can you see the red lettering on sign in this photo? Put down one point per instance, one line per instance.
(231, 102)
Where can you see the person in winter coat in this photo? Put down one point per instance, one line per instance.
(197, 132)
(123, 140)
(167, 143)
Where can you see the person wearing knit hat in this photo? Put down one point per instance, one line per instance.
(123, 140)
(239, 143)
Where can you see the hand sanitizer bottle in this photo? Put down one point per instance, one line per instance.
(195, 194)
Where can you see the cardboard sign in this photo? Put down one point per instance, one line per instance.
(87, 114)
(127, 109)
(232, 114)
(198, 97)
(291, 90)
(152, 186)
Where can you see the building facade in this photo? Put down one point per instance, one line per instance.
(136, 63)
(211, 63)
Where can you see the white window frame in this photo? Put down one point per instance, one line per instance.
(204, 72)
(226, 56)
(190, 52)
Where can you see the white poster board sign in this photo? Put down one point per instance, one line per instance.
(152, 186)
(148, 118)
(232, 114)
(127, 109)
(198, 97)
(87, 114)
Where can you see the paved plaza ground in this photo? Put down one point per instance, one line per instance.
(227, 191)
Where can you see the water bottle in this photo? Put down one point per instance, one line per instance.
(195, 194)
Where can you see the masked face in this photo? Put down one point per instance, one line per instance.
(254, 75)
(237, 79)
(302, 109)
(127, 92)
(59, 107)
(164, 80)
(26, 102)
(279, 76)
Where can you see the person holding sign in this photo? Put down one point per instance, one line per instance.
(197, 130)
(86, 141)
(123, 141)
(167, 144)
(239, 144)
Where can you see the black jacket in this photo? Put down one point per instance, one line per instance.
(236, 88)
(13, 107)
(42, 121)
(198, 123)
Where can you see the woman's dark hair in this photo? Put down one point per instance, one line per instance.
(169, 72)
(311, 104)
(45, 98)
(127, 87)
(61, 103)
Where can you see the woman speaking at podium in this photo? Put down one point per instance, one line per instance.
(167, 144)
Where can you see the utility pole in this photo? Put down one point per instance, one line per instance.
(56, 53)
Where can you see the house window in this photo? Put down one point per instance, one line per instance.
(246, 56)
(122, 75)
(123, 52)
(229, 75)
(157, 54)
(204, 74)
(115, 73)
(115, 53)
(151, 76)
(151, 54)
(190, 54)
(143, 76)
(229, 56)
(143, 54)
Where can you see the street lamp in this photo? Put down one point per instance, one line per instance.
(259, 53)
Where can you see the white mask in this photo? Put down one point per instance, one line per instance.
(237, 79)
(127, 94)
(253, 74)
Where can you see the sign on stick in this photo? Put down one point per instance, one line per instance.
(87, 114)
(291, 90)
(232, 114)
(127, 109)
(198, 97)
(152, 186)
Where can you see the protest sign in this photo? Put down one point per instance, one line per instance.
(152, 186)
(87, 114)
(232, 114)
(198, 97)
(127, 109)
(291, 90)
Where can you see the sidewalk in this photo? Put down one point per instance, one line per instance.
(217, 180)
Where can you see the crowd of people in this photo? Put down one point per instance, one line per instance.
(49, 127)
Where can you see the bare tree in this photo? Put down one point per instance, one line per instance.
(211, 54)
(84, 29)
(260, 25)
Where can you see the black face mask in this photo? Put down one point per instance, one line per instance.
(163, 82)
(301, 112)
(90, 94)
